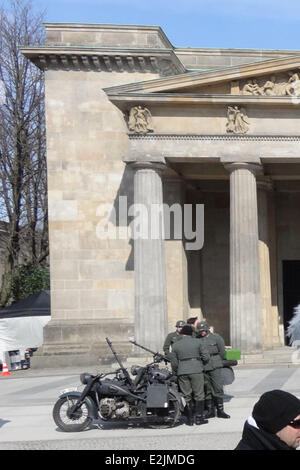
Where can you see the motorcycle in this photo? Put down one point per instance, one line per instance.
(151, 398)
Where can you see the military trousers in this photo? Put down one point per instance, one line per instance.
(192, 386)
(213, 384)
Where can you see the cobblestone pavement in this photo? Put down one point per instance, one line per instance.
(26, 415)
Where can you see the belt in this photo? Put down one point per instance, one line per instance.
(190, 359)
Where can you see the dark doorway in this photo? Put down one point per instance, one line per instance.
(291, 290)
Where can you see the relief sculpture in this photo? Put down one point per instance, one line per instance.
(273, 85)
(237, 120)
(293, 85)
(140, 120)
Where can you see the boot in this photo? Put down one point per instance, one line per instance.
(199, 410)
(189, 413)
(209, 409)
(220, 409)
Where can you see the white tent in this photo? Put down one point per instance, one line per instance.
(21, 324)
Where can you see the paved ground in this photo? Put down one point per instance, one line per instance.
(27, 399)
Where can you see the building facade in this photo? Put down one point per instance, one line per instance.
(213, 137)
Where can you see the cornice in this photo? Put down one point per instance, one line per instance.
(123, 100)
(160, 61)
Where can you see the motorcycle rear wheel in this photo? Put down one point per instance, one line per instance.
(171, 419)
(64, 421)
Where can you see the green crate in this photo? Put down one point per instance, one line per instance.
(233, 354)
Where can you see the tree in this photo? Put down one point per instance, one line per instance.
(23, 179)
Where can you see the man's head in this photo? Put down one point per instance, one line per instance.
(192, 321)
(202, 328)
(186, 330)
(179, 325)
(278, 412)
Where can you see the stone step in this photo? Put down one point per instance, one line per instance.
(281, 355)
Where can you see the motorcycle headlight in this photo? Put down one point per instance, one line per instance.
(84, 378)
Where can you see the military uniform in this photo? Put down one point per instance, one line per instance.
(189, 356)
(212, 370)
(172, 338)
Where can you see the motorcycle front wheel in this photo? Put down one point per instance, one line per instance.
(65, 420)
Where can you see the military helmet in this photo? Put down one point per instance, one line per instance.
(202, 326)
(180, 324)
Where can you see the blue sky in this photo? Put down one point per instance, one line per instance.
(258, 24)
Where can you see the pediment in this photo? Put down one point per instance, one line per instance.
(276, 77)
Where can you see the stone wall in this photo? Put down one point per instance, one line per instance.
(91, 277)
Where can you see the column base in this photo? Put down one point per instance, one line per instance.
(69, 343)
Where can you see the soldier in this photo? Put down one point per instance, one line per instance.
(170, 340)
(173, 337)
(193, 321)
(189, 356)
(214, 393)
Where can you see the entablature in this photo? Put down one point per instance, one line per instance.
(213, 148)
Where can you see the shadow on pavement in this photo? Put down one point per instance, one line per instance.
(3, 422)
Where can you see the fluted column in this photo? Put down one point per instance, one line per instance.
(149, 257)
(245, 301)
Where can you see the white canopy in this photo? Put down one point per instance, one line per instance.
(21, 333)
(21, 324)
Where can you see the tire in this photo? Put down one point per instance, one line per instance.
(64, 422)
(174, 413)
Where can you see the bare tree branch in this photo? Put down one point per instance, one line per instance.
(23, 178)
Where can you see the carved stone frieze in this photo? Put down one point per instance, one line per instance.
(237, 120)
(283, 84)
(140, 120)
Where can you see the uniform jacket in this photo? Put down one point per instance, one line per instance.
(170, 340)
(215, 345)
(189, 356)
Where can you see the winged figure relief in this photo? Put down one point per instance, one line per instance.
(140, 120)
(237, 120)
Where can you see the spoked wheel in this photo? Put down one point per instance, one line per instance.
(167, 418)
(68, 421)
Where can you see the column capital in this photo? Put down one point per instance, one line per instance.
(255, 168)
(142, 165)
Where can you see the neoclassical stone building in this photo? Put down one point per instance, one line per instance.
(133, 120)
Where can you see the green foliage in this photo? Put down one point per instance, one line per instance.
(29, 279)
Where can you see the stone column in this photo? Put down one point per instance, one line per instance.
(151, 316)
(245, 301)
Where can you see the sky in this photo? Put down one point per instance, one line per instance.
(254, 24)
